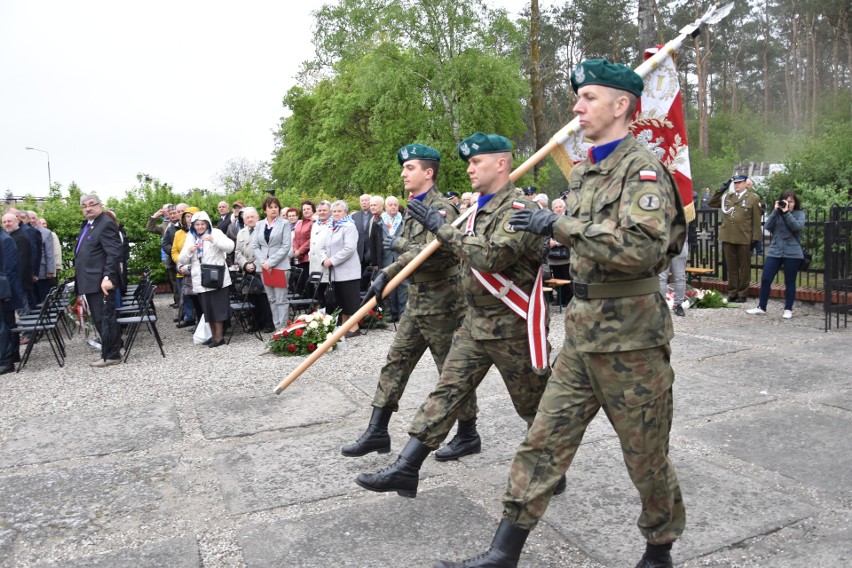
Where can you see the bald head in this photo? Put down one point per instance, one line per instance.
(10, 222)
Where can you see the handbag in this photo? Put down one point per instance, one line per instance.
(253, 284)
(330, 298)
(212, 275)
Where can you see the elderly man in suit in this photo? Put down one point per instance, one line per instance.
(97, 257)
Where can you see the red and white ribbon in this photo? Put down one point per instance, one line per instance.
(529, 307)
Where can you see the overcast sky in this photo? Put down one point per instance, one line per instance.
(170, 88)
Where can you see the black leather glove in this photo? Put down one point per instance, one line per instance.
(753, 245)
(377, 288)
(538, 221)
(429, 217)
(725, 185)
(389, 242)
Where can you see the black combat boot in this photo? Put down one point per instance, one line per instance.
(402, 476)
(505, 550)
(465, 442)
(561, 486)
(656, 556)
(375, 438)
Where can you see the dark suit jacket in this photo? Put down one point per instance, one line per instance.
(374, 242)
(9, 251)
(223, 224)
(25, 258)
(363, 246)
(98, 255)
(36, 245)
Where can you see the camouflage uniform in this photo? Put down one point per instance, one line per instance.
(435, 309)
(622, 228)
(491, 333)
(740, 227)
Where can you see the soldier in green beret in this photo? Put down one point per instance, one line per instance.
(624, 223)
(492, 334)
(434, 313)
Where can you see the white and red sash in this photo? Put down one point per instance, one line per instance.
(529, 307)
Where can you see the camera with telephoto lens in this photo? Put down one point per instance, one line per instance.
(782, 204)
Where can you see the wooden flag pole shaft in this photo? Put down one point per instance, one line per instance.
(397, 280)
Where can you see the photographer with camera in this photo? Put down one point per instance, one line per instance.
(740, 232)
(785, 223)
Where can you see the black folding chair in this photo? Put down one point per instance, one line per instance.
(293, 277)
(145, 314)
(304, 303)
(241, 308)
(43, 325)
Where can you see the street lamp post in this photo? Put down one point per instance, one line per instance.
(49, 180)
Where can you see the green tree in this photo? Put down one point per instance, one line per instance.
(435, 79)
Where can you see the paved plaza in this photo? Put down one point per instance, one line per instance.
(191, 461)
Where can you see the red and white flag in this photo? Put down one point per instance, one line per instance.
(658, 124)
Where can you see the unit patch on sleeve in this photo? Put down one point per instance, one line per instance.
(649, 202)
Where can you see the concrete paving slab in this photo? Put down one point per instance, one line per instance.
(423, 381)
(600, 508)
(298, 406)
(69, 435)
(769, 371)
(798, 443)
(383, 532)
(69, 504)
(266, 475)
(842, 400)
(698, 394)
(769, 334)
(420, 384)
(688, 347)
(824, 541)
(179, 552)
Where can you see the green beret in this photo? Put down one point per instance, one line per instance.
(417, 152)
(480, 143)
(602, 72)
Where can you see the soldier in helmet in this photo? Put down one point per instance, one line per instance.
(434, 311)
(625, 221)
(501, 281)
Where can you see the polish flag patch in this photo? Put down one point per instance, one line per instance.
(518, 205)
(647, 175)
(442, 212)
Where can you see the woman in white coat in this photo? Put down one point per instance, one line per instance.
(272, 244)
(340, 257)
(207, 245)
(319, 234)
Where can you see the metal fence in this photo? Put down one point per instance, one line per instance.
(826, 235)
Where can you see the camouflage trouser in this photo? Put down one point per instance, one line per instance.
(413, 336)
(635, 390)
(466, 365)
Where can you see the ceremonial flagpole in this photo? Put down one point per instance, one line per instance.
(714, 15)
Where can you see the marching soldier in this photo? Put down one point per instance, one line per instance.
(740, 232)
(624, 223)
(434, 313)
(501, 281)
